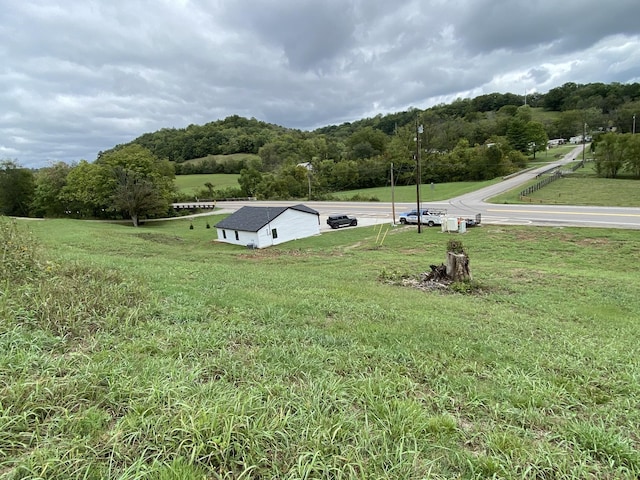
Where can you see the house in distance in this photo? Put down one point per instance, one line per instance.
(260, 227)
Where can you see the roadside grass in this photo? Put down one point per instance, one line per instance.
(582, 187)
(198, 359)
(407, 193)
(193, 184)
(550, 155)
(445, 191)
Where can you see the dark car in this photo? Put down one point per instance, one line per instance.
(337, 221)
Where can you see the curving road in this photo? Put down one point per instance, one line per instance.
(468, 205)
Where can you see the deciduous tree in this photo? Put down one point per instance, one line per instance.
(136, 195)
(609, 155)
(16, 189)
(49, 182)
(143, 183)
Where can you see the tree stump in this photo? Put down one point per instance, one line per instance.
(458, 267)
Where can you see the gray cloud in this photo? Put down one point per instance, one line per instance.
(80, 77)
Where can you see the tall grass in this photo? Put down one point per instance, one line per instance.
(297, 362)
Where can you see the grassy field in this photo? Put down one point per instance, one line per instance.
(158, 353)
(580, 188)
(550, 155)
(539, 114)
(192, 184)
(438, 192)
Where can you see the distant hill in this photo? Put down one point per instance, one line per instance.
(562, 111)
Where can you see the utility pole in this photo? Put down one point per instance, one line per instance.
(393, 201)
(419, 131)
(584, 140)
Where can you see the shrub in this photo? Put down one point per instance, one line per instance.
(455, 246)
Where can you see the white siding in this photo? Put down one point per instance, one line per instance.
(293, 225)
(244, 238)
(290, 225)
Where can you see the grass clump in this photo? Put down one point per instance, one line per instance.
(19, 255)
(75, 301)
(69, 300)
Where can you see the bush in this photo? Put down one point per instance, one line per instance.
(455, 246)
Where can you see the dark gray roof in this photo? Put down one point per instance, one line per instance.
(252, 219)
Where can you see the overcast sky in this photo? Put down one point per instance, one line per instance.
(80, 76)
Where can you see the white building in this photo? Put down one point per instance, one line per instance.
(261, 227)
(556, 142)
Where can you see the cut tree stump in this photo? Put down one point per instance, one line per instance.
(458, 268)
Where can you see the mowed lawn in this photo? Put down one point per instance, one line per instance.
(157, 352)
(407, 193)
(193, 184)
(582, 187)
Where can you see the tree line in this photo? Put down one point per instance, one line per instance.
(469, 139)
(128, 182)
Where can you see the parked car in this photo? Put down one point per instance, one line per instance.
(427, 217)
(337, 221)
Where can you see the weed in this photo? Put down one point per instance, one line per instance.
(455, 246)
(19, 255)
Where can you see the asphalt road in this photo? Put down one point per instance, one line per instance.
(373, 213)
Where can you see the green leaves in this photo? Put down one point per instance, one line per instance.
(16, 189)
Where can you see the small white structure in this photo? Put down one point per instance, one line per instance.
(454, 224)
(306, 165)
(260, 227)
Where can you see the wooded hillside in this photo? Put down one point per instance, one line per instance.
(475, 120)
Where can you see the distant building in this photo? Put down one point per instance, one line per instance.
(579, 139)
(260, 227)
(306, 165)
(555, 142)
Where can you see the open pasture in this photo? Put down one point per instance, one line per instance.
(157, 352)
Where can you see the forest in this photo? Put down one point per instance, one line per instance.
(481, 138)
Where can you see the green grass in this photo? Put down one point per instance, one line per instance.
(580, 188)
(539, 114)
(440, 191)
(550, 155)
(192, 184)
(158, 353)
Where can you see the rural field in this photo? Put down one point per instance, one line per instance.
(193, 184)
(156, 352)
(581, 187)
(407, 193)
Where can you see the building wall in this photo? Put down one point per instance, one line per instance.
(290, 225)
(244, 238)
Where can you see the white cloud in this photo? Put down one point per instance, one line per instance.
(81, 77)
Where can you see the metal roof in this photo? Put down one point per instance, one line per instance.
(252, 219)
